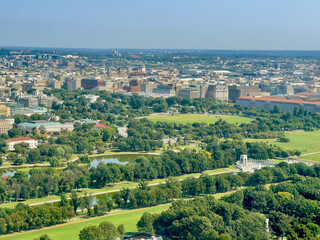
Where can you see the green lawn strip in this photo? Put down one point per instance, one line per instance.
(306, 142)
(192, 118)
(111, 188)
(312, 157)
(72, 229)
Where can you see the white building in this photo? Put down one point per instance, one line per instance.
(11, 142)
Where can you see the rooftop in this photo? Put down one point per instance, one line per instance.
(281, 99)
(101, 126)
(19, 139)
(39, 123)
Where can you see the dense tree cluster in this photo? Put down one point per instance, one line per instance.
(23, 217)
(206, 218)
(104, 231)
(76, 106)
(293, 208)
(44, 182)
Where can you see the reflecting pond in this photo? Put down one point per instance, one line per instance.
(7, 173)
(119, 158)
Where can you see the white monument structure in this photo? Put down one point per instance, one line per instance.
(249, 165)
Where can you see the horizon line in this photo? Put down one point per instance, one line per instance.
(180, 49)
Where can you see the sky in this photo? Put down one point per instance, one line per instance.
(162, 24)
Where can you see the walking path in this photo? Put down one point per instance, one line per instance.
(117, 190)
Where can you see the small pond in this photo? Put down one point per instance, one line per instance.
(7, 173)
(119, 159)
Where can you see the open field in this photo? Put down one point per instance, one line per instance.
(312, 157)
(192, 118)
(117, 187)
(72, 229)
(306, 142)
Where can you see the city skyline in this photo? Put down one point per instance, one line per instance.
(228, 25)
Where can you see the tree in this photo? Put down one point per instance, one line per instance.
(279, 223)
(21, 148)
(15, 132)
(42, 129)
(3, 227)
(108, 230)
(33, 156)
(75, 201)
(145, 223)
(105, 205)
(105, 231)
(87, 199)
(63, 200)
(121, 230)
(107, 134)
(91, 233)
(43, 237)
(284, 140)
(84, 158)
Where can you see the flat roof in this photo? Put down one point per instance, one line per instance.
(39, 124)
(280, 99)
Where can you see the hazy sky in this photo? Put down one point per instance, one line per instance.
(187, 24)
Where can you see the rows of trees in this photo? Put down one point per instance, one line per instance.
(44, 182)
(24, 217)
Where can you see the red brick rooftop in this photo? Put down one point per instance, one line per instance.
(281, 99)
(18, 139)
(307, 94)
(101, 126)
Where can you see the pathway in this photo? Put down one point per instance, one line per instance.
(117, 190)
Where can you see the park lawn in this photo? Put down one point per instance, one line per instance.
(109, 188)
(192, 118)
(312, 157)
(306, 142)
(72, 229)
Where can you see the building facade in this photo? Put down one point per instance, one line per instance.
(11, 142)
(5, 126)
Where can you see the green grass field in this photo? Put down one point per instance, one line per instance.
(312, 157)
(71, 230)
(306, 142)
(192, 118)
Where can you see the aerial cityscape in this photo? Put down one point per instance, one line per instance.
(159, 121)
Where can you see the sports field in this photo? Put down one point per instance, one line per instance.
(192, 118)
